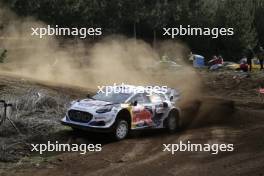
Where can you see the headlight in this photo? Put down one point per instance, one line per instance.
(104, 109)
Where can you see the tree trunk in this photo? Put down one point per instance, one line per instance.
(135, 31)
(154, 39)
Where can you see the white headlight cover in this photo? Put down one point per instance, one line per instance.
(104, 109)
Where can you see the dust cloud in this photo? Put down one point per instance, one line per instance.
(75, 62)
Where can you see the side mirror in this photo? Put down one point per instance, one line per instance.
(165, 105)
(134, 103)
(171, 98)
(88, 96)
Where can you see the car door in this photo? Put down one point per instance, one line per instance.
(142, 112)
(159, 111)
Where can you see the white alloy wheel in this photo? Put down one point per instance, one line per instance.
(121, 130)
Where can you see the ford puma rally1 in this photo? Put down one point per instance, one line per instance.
(118, 113)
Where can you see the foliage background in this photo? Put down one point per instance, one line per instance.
(145, 19)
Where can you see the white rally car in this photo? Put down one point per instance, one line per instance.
(118, 113)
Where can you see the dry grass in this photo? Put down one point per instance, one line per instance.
(36, 112)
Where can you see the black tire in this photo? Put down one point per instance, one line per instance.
(120, 130)
(173, 122)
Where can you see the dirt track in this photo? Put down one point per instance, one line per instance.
(211, 119)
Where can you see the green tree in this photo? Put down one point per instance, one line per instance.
(259, 20)
(240, 16)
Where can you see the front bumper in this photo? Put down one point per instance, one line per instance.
(86, 128)
(99, 127)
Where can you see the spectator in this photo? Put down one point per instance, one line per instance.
(260, 56)
(250, 55)
(216, 63)
(220, 60)
(213, 61)
(244, 65)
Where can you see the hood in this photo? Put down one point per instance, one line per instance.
(89, 103)
(91, 106)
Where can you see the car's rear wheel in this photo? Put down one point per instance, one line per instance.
(121, 129)
(173, 122)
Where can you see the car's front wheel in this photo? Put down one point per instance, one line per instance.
(121, 129)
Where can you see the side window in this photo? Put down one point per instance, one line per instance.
(146, 98)
(137, 98)
(140, 98)
(155, 98)
(163, 97)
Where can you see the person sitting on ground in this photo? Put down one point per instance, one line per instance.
(244, 65)
(216, 63)
(213, 60)
(220, 60)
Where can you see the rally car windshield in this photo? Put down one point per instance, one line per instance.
(112, 97)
